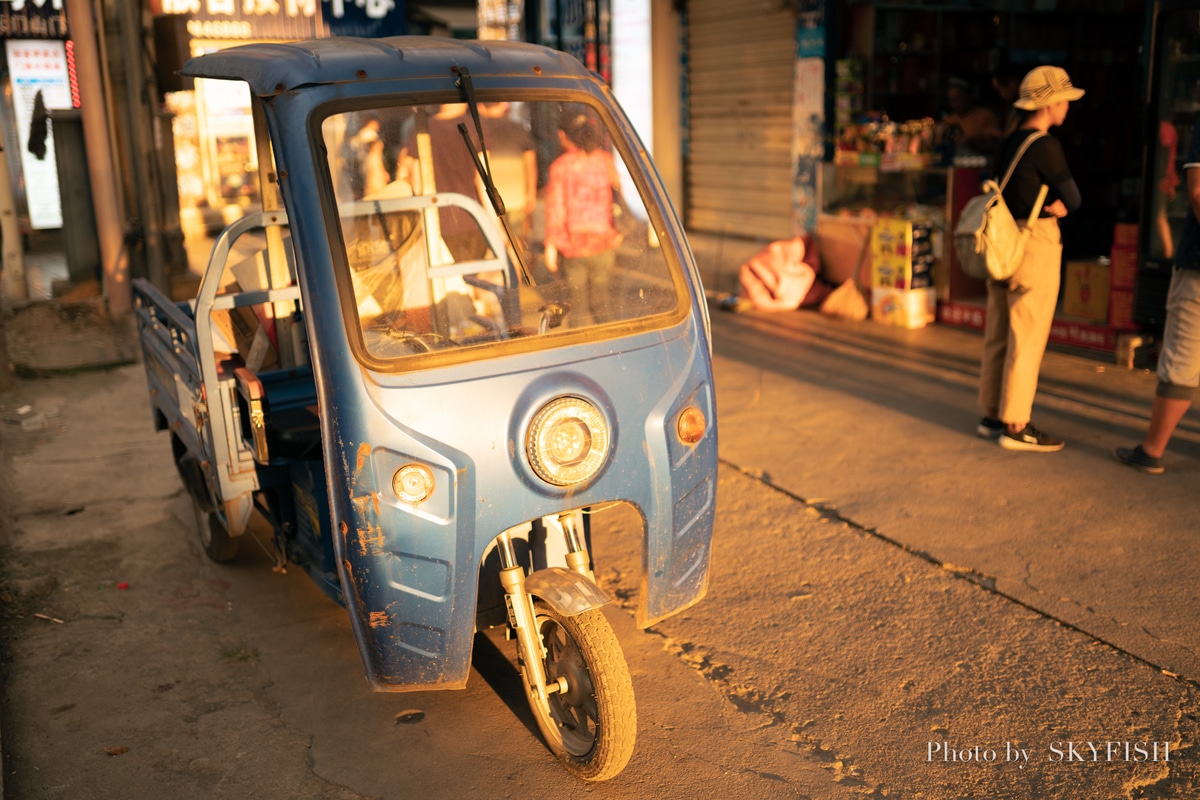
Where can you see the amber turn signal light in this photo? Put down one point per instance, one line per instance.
(412, 483)
(691, 425)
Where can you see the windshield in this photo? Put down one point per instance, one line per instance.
(431, 264)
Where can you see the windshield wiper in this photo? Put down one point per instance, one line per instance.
(484, 169)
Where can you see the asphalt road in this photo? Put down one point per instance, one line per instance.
(898, 610)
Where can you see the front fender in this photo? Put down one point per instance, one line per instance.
(565, 590)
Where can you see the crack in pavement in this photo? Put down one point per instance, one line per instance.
(776, 719)
(985, 582)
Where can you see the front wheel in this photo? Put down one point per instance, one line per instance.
(590, 719)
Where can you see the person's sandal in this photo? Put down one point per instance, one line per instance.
(1136, 457)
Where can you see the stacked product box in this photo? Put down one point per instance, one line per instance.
(1085, 293)
(1123, 263)
(902, 262)
(902, 254)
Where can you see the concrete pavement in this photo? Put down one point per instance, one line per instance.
(876, 424)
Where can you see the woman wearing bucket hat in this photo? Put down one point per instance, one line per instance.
(1021, 310)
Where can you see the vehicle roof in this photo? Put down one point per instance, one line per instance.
(274, 67)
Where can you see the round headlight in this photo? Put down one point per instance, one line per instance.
(567, 441)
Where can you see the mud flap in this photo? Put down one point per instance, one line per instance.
(237, 513)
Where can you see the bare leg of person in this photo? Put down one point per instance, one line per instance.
(1164, 417)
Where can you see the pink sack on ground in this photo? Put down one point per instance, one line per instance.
(777, 277)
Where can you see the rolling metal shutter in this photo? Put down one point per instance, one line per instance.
(740, 62)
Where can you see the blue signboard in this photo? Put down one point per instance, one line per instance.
(370, 18)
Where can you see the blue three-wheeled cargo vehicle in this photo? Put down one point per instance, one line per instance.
(464, 320)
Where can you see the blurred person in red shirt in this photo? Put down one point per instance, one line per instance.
(581, 239)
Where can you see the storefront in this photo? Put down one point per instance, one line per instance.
(834, 108)
(215, 157)
(892, 160)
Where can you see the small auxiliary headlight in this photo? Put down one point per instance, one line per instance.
(690, 425)
(567, 441)
(412, 483)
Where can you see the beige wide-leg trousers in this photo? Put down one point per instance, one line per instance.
(1019, 316)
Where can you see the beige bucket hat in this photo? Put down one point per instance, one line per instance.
(1044, 86)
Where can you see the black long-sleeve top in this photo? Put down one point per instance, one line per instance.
(1044, 162)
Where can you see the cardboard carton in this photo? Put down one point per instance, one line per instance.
(1087, 291)
(1124, 256)
(905, 308)
(1123, 268)
(241, 327)
(1125, 234)
(1121, 310)
(902, 254)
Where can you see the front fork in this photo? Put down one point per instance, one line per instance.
(522, 618)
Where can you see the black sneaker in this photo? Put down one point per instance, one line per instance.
(1030, 439)
(1136, 457)
(989, 428)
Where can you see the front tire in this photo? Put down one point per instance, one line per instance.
(591, 725)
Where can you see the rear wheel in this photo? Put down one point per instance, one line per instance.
(216, 541)
(590, 719)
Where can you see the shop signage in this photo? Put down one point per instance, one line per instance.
(285, 19)
(964, 316)
(370, 18)
(1064, 332)
(248, 19)
(32, 19)
(1080, 334)
(38, 72)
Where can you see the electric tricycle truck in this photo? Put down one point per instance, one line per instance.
(464, 321)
